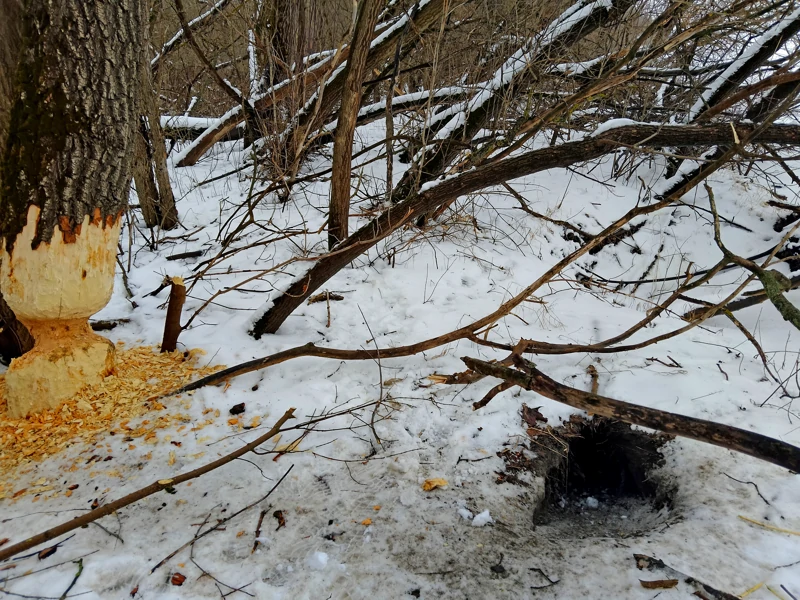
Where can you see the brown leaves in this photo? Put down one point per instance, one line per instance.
(278, 514)
(532, 416)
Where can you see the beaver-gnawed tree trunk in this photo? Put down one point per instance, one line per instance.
(69, 75)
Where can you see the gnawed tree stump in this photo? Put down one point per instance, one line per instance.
(70, 78)
(53, 290)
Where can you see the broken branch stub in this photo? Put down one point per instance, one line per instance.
(172, 324)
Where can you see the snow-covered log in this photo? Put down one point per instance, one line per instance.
(449, 129)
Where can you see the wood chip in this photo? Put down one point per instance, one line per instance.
(432, 484)
(659, 584)
(141, 374)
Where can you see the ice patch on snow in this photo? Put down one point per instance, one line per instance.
(482, 519)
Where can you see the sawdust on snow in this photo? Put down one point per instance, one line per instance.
(142, 375)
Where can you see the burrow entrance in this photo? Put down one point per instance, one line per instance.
(602, 478)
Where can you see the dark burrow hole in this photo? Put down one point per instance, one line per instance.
(601, 478)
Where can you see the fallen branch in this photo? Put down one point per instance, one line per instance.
(422, 19)
(504, 170)
(212, 70)
(195, 25)
(499, 388)
(182, 255)
(731, 438)
(752, 299)
(774, 282)
(140, 494)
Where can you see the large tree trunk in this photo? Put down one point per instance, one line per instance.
(71, 84)
(10, 46)
(339, 211)
(283, 35)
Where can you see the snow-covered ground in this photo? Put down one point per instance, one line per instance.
(357, 521)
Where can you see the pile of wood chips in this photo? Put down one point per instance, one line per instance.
(142, 374)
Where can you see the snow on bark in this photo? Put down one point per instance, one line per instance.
(577, 21)
(742, 67)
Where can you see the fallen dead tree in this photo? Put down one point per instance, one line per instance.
(496, 173)
(528, 377)
(382, 48)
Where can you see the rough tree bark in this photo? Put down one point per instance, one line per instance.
(339, 209)
(10, 45)
(282, 30)
(283, 36)
(15, 339)
(150, 169)
(71, 85)
(14, 336)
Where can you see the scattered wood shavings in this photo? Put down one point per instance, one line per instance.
(142, 374)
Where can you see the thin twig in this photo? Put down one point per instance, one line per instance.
(78, 562)
(222, 522)
(144, 492)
